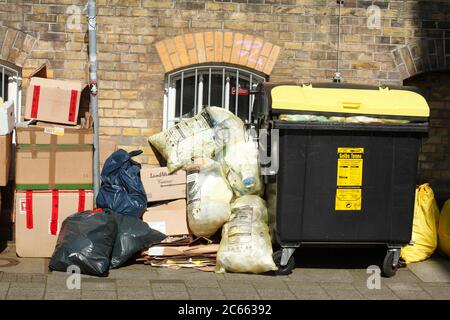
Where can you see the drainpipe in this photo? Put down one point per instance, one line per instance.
(92, 29)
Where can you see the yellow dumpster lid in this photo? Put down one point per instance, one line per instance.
(361, 100)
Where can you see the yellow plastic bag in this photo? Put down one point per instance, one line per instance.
(425, 226)
(444, 229)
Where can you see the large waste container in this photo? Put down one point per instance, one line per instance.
(343, 167)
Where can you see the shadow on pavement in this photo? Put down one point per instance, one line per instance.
(338, 258)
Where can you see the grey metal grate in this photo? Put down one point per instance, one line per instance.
(191, 89)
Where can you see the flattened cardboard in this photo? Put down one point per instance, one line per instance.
(43, 133)
(197, 250)
(160, 185)
(169, 218)
(5, 158)
(53, 100)
(38, 242)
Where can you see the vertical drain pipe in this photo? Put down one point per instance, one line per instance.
(92, 30)
(337, 75)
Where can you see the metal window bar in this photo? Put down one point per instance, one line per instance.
(209, 88)
(198, 73)
(195, 95)
(181, 95)
(223, 88)
(3, 83)
(237, 93)
(200, 94)
(250, 98)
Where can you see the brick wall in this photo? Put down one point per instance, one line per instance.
(414, 36)
(435, 158)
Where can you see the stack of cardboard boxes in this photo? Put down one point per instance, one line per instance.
(166, 195)
(167, 213)
(53, 164)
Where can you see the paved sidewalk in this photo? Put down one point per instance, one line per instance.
(29, 279)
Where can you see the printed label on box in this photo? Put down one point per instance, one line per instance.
(57, 131)
(158, 225)
(23, 206)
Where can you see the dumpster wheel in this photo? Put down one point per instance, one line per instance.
(390, 266)
(283, 270)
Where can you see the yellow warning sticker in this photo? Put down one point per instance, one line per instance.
(350, 167)
(349, 179)
(348, 199)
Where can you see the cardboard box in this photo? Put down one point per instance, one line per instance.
(39, 216)
(55, 101)
(5, 158)
(169, 218)
(44, 133)
(6, 117)
(47, 161)
(107, 147)
(160, 185)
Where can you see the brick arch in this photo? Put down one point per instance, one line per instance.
(218, 47)
(15, 45)
(428, 55)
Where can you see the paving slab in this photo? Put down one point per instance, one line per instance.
(237, 286)
(133, 274)
(168, 285)
(133, 283)
(275, 294)
(4, 286)
(436, 269)
(384, 293)
(24, 265)
(98, 285)
(202, 283)
(308, 291)
(171, 295)
(342, 291)
(409, 291)
(25, 293)
(98, 295)
(242, 296)
(135, 293)
(72, 295)
(206, 294)
(18, 285)
(437, 290)
(321, 275)
(270, 284)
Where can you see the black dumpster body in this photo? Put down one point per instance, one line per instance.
(341, 183)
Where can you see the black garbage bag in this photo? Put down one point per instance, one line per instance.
(86, 240)
(133, 235)
(122, 190)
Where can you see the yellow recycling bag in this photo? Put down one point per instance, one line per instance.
(444, 229)
(425, 226)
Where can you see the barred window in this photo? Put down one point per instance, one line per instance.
(189, 90)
